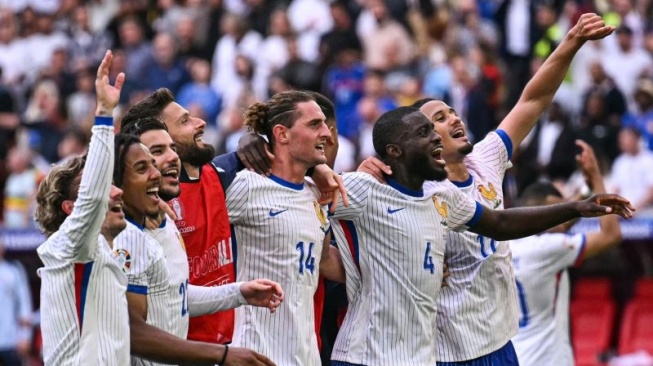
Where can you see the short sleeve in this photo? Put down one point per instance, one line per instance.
(495, 151)
(133, 256)
(358, 186)
(237, 196)
(563, 250)
(458, 211)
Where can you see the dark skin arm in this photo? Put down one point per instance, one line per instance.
(254, 153)
(154, 344)
(526, 221)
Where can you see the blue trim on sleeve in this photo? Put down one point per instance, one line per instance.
(581, 252)
(141, 290)
(103, 121)
(477, 215)
(410, 192)
(285, 183)
(506, 141)
(468, 182)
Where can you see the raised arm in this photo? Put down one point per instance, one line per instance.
(609, 233)
(539, 92)
(525, 221)
(84, 223)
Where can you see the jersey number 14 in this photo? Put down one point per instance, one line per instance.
(309, 263)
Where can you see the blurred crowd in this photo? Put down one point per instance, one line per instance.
(368, 56)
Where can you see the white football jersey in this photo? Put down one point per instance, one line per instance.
(84, 319)
(391, 240)
(142, 259)
(477, 312)
(539, 262)
(278, 231)
(174, 251)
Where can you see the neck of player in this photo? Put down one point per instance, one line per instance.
(192, 171)
(457, 172)
(407, 179)
(133, 215)
(289, 170)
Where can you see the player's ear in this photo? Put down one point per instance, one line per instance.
(280, 134)
(393, 150)
(67, 206)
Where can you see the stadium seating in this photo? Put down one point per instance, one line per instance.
(637, 327)
(644, 290)
(591, 329)
(593, 289)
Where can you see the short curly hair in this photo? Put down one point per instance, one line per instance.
(60, 184)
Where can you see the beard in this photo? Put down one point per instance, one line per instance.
(465, 150)
(168, 194)
(194, 154)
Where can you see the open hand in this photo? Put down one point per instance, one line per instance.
(107, 95)
(254, 152)
(263, 293)
(375, 168)
(604, 204)
(331, 187)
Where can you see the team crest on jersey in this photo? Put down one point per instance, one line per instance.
(178, 208)
(123, 258)
(490, 194)
(442, 209)
(321, 216)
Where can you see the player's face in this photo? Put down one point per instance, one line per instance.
(422, 148)
(114, 221)
(141, 183)
(331, 148)
(164, 151)
(187, 132)
(451, 128)
(308, 136)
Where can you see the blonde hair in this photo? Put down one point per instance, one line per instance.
(59, 184)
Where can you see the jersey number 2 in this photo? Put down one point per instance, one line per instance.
(183, 291)
(309, 264)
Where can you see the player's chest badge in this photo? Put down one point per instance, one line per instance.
(490, 194)
(442, 209)
(123, 258)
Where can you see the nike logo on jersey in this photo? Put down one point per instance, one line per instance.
(273, 213)
(391, 211)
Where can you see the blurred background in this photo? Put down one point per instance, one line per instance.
(368, 56)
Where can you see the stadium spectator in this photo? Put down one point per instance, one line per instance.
(632, 171)
(16, 316)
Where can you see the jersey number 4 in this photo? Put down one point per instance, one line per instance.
(309, 263)
(428, 259)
